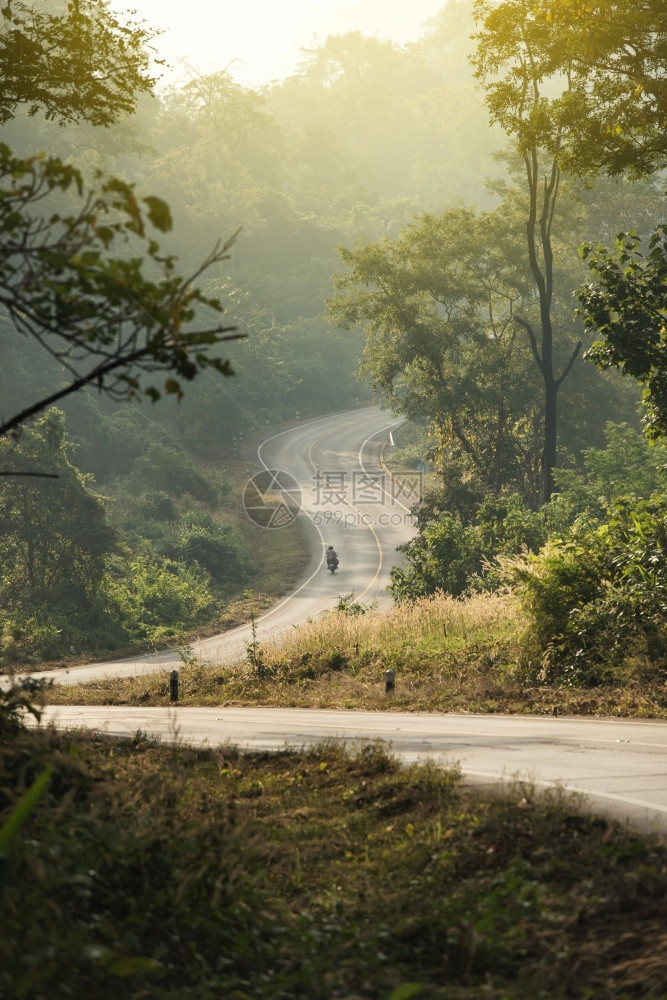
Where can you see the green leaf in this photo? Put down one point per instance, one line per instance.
(133, 966)
(159, 213)
(407, 990)
(24, 807)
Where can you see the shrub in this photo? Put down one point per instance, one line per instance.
(599, 594)
(456, 557)
(217, 548)
(159, 597)
(168, 469)
(444, 556)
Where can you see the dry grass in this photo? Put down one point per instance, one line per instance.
(438, 622)
(448, 656)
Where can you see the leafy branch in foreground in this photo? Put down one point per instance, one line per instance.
(106, 319)
(626, 308)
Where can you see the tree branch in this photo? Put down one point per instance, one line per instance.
(568, 367)
(533, 341)
(97, 374)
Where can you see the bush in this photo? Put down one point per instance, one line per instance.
(170, 470)
(456, 557)
(628, 466)
(462, 532)
(599, 595)
(217, 548)
(156, 505)
(32, 635)
(160, 597)
(444, 556)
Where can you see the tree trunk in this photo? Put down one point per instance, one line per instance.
(550, 438)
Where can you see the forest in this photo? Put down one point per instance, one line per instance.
(456, 227)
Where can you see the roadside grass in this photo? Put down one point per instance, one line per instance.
(156, 871)
(447, 655)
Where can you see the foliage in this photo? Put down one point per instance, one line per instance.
(605, 60)
(155, 599)
(445, 556)
(599, 594)
(216, 548)
(462, 532)
(18, 700)
(102, 317)
(454, 555)
(616, 121)
(68, 580)
(626, 308)
(296, 874)
(75, 61)
(628, 466)
(167, 468)
(54, 537)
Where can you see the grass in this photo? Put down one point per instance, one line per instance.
(447, 654)
(167, 872)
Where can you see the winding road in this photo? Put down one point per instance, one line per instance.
(345, 498)
(331, 475)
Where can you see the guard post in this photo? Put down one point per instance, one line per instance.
(173, 685)
(389, 682)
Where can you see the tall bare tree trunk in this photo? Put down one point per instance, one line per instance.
(540, 255)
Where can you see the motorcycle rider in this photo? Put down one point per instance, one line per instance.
(332, 557)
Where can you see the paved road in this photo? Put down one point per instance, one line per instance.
(347, 499)
(620, 765)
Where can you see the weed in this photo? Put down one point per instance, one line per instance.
(183, 873)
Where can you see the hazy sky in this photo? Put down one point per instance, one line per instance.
(259, 40)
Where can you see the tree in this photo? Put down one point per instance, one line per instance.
(516, 39)
(72, 61)
(614, 111)
(106, 319)
(613, 118)
(438, 306)
(55, 537)
(626, 307)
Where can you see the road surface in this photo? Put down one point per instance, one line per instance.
(619, 765)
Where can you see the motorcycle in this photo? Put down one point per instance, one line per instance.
(332, 564)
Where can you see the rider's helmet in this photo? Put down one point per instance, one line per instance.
(330, 549)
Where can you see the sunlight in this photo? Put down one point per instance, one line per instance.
(259, 40)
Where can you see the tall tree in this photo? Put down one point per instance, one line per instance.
(71, 61)
(513, 60)
(437, 304)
